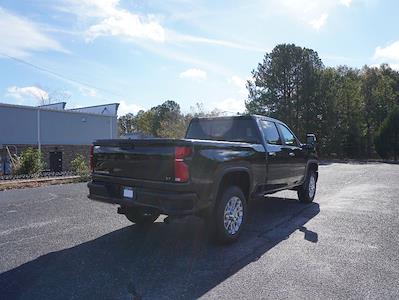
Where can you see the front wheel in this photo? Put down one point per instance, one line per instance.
(230, 215)
(307, 190)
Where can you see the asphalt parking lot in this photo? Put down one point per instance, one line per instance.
(57, 244)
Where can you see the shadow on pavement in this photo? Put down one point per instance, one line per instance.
(173, 260)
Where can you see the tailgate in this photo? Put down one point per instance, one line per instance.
(146, 159)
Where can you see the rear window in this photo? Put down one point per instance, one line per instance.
(232, 130)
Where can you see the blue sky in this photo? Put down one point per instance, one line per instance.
(141, 53)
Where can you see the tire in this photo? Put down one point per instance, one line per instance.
(141, 217)
(307, 191)
(227, 227)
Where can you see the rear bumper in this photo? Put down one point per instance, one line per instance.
(167, 202)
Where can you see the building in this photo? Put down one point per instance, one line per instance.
(59, 133)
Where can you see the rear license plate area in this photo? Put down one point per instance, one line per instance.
(128, 193)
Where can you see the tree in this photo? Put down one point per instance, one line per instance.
(387, 138)
(348, 112)
(165, 120)
(157, 121)
(153, 119)
(343, 106)
(328, 144)
(146, 122)
(199, 111)
(46, 97)
(174, 128)
(379, 99)
(58, 95)
(127, 124)
(285, 86)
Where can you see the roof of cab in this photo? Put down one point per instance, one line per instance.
(239, 117)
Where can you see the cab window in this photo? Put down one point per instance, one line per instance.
(288, 136)
(270, 132)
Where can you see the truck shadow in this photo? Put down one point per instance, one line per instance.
(173, 260)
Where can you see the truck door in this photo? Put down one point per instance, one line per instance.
(275, 157)
(295, 160)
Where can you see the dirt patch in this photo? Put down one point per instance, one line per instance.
(19, 184)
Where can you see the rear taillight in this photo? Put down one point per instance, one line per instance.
(182, 173)
(92, 158)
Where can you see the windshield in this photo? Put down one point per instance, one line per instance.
(232, 130)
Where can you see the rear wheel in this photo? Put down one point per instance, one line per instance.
(141, 217)
(307, 190)
(230, 215)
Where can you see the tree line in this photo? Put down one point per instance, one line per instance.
(354, 112)
(345, 107)
(164, 120)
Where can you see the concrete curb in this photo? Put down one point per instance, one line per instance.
(356, 161)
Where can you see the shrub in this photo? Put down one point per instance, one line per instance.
(80, 166)
(30, 162)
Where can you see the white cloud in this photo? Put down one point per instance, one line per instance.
(108, 18)
(90, 8)
(194, 74)
(347, 3)
(312, 12)
(28, 91)
(87, 91)
(319, 22)
(126, 24)
(231, 106)
(20, 36)
(239, 83)
(176, 37)
(125, 108)
(390, 52)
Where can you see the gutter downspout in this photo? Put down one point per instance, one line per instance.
(110, 127)
(39, 145)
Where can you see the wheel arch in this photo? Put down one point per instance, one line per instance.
(239, 176)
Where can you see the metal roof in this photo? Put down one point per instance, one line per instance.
(45, 108)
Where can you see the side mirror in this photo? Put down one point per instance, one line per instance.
(311, 139)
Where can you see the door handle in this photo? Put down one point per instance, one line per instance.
(291, 154)
(272, 153)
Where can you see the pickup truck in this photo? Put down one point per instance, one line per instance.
(214, 172)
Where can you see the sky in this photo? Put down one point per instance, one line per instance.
(142, 53)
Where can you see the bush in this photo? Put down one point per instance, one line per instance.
(80, 167)
(30, 162)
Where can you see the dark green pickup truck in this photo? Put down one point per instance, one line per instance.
(214, 172)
